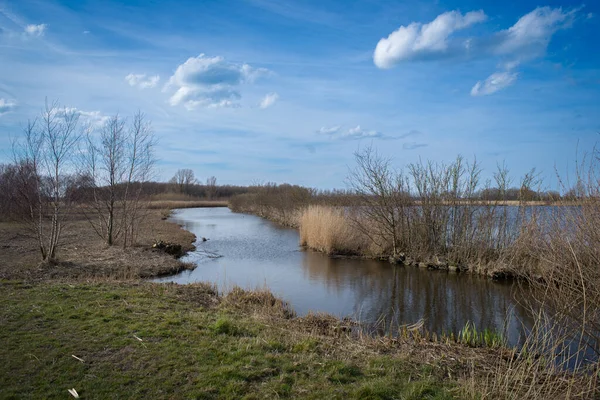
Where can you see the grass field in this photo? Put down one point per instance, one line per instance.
(139, 341)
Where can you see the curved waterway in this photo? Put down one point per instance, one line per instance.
(251, 252)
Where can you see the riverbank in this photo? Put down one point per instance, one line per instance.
(169, 341)
(83, 255)
(144, 340)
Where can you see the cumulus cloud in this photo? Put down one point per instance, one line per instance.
(210, 82)
(526, 40)
(93, 118)
(6, 105)
(495, 82)
(528, 37)
(36, 30)
(336, 132)
(269, 100)
(142, 81)
(417, 40)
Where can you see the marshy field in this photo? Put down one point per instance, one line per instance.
(418, 286)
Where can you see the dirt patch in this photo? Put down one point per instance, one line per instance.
(83, 255)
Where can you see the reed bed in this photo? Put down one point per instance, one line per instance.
(328, 229)
(172, 204)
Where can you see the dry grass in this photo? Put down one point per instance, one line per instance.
(83, 255)
(327, 229)
(542, 368)
(172, 204)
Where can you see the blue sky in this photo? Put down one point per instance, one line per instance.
(285, 91)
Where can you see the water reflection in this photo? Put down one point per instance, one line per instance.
(399, 295)
(251, 252)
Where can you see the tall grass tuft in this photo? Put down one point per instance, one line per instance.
(327, 229)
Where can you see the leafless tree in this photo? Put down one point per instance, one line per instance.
(43, 158)
(384, 196)
(211, 187)
(119, 162)
(184, 179)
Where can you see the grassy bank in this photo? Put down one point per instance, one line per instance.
(142, 340)
(166, 341)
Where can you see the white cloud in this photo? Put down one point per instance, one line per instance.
(36, 30)
(419, 40)
(142, 81)
(93, 118)
(6, 106)
(496, 81)
(359, 133)
(269, 100)
(590, 15)
(324, 130)
(210, 82)
(529, 37)
(336, 132)
(526, 40)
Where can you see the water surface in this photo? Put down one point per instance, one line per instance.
(251, 252)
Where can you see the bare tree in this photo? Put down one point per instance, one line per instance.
(43, 158)
(119, 162)
(384, 196)
(184, 179)
(211, 187)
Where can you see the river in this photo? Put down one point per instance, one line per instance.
(251, 252)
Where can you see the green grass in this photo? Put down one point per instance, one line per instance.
(191, 346)
(470, 336)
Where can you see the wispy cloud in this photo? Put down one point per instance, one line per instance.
(269, 100)
(35, 30)
(210, 82)
(6, 105)
(142, 81)
(359, 133)
(329, 130)
(355, 133)
(410, 133)
(413, 145)
(530, 36)
(495, 82)
(298, 11)
(93, 118)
